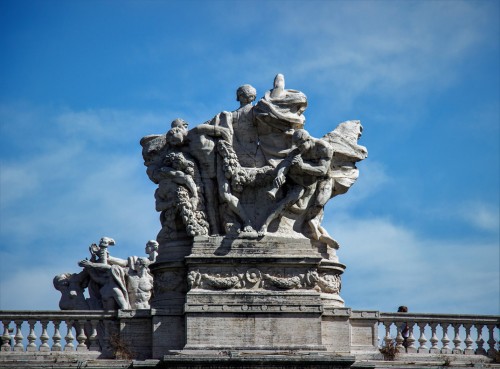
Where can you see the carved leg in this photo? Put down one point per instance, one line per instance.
(291, 198)
(212, 206)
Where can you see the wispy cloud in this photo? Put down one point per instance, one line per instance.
(80, 185)
(390, 265)
(481, 215)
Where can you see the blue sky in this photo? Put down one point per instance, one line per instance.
(82, 81)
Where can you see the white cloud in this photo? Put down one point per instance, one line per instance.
(390, 265)
(71, 189)
(481, 215)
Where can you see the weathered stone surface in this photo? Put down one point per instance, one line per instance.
(241, 248)
(251, 172)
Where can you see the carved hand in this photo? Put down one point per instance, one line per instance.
(279, 180)
(84, 263)
(297, 160)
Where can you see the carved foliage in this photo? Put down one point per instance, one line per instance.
(267, 279)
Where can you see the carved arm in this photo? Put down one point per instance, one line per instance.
(213, 131)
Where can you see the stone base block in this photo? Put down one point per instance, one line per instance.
(168, 333)
(269, 360)
(253, 320)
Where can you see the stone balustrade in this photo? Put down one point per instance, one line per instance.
(30, 334)
(79, 331)
(441, 333)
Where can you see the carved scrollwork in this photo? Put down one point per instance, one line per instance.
(268, 279)
(253, 275)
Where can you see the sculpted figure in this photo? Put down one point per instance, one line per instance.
(72, 287)
(340, 177)
(278, 114)
(245, 137)
(301, 169)
(216, 161)
(213, 179)
(108, 288)
(179, 196)
(152, 250)
(139, 285)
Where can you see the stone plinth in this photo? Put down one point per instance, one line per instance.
(242, 294)
(268, 360)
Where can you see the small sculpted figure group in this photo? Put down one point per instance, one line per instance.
(112, 283)
(251, 172)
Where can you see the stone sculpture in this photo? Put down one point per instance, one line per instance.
(151, 250)
(112, 283)
(72, 286)
(139, 284)
(241, 247)
(255, 168)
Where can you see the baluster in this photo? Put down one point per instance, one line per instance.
(6, 344)
(457, 341)
(422, 340)
(399, 341)
(56, 338)
(445, 349)
(468, 340)
(480, 342)
(69, 337)
(31, 336)
(81, 338)
(44, 337)
(491, 341)
(434, 340)
(94, 344)
(19, 336)
(410, 341)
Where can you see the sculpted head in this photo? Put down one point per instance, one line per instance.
(141, 263)
(176, 136)
(151, 246)
(106, 242)
(178, 122)
(246, 94)
(300, 138)
(61, 281)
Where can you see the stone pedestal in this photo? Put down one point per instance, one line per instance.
(169, 297)
(242, 294)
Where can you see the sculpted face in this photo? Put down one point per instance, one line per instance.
(141, 263)
(246, 94)
(106, 241)
(176, 136)
(180, 123)
(151, 246)
(301, 139)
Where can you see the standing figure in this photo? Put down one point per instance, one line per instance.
(139, 285)
(245, 137)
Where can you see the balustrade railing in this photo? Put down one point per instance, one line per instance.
(57, 331)
(440, 333)
(91, 332)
